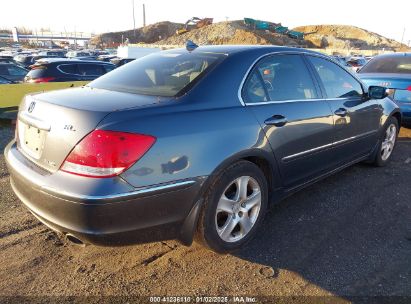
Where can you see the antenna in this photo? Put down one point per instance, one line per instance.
(402, 38)
(144, 14)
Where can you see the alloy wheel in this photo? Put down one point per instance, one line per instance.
(389, 141)
(238, 209)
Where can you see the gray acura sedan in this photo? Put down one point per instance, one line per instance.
(193, 144)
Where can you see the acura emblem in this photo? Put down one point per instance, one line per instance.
(31, 107)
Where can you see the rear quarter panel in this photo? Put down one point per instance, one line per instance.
(197, 132)
(190, 143)
(390, 108)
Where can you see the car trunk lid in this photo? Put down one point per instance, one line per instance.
(390, 81)
(51, 124)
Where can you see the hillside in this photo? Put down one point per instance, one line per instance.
(235, 32)
(347, 37)
(148, 34)
(231, 32)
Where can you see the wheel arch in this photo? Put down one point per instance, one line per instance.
(397, 115)
(262, 159)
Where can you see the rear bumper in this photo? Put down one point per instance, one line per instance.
(103, 211)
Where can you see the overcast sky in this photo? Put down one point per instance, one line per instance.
(387, 18)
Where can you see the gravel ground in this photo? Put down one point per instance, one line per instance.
(349, 235)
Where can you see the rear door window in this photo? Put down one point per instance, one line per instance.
(91, 69)
(68, 68)
(337, 82)
(253, 90)
(284, 77)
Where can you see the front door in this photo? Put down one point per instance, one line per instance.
(356, 118)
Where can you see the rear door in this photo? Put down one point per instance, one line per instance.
(356, 118)
(298, 123)
(68, 72)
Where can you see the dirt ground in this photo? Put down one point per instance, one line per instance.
(349, 235)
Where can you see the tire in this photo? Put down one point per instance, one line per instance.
(230, 217)
(387, 140)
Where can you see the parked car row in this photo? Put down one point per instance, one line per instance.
(12, 72)
(60, 70)
(352, 63)
(55, 65)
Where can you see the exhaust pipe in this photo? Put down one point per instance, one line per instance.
(75, 240)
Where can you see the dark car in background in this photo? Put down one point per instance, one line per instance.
(12, 72)
(82, 55)
(342, 61)
(53, 53)
(121, 61)
(60, 70)
(182, 143)
(6, 59)
(357, 63)
(106, 58)
(392, 71)
(24, 60)
(5, 81)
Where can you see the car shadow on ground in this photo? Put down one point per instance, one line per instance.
(349, 234)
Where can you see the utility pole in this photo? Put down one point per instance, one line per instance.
(402, 38)
(75, 38)
(134, 22)
(144, 14)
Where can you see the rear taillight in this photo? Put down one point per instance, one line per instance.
(409, 88)
(106, 153)
(42, 79)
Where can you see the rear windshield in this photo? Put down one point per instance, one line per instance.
(23, 59)
(160, 74)
(394, 64)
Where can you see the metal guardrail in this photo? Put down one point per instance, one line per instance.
(12, 94)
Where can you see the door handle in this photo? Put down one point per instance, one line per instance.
(276, 120)
(341, 112)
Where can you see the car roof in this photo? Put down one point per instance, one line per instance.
(232, 49)
(68, 60)
(402, 54)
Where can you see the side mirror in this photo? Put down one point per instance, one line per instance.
(375, 92)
